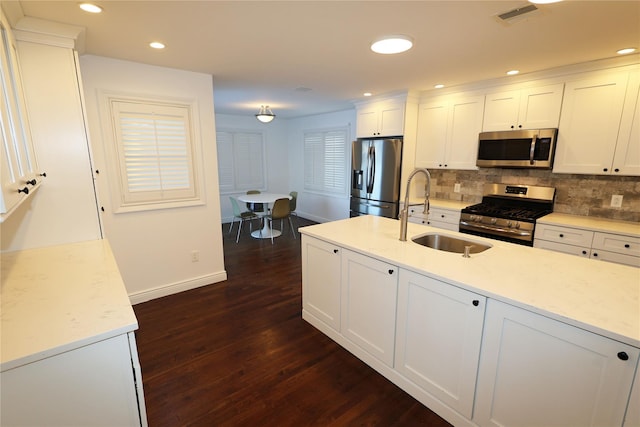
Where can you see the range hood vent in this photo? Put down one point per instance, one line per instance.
(517, 12)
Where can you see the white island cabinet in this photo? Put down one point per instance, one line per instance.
(558, 344)
(69, 354)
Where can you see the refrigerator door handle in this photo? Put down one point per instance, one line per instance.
(372, 169)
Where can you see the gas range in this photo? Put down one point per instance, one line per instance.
(508, 212)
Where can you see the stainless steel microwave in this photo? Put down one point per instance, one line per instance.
(531, 148)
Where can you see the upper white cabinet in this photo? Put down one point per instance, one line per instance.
(438, 339)
(599, 128)
(536, 371)
(20, 175)
(529, 108)
(448, 128)
(381, 118)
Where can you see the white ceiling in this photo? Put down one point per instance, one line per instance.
(264, 52)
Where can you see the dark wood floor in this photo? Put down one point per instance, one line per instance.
(238, 353)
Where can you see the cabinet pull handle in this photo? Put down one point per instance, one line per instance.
(24, 190)
(390, 271)
(623, 355)
(32, 182)
(475, 302)
(335, 251)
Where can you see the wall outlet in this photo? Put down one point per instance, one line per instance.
(616, 201)
(195, 256)
(456, 187)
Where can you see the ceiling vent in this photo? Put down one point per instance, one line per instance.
(515, 13)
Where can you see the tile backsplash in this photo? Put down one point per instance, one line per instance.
(587, 195)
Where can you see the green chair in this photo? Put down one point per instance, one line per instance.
(280, 210)
(255, 207)
(293, 202)
(242, 216)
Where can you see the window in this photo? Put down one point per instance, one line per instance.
(154, 152)
(325, 161)
(240, 161)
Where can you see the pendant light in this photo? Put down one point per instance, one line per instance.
(265, 115)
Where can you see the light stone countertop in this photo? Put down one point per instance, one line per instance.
(591, 223)
(597, 296)
(59, 298)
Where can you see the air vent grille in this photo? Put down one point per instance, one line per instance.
(517, 12)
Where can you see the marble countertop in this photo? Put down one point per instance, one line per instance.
(59, 298)
(600, 297)
(591, 223)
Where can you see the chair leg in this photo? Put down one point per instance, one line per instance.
(231, 225)
(271, 228)
(293, 231)
(239, 229)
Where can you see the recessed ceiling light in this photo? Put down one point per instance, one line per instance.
(157, 45)
(512, 72)
(439, 86)
(367, 94)
(91, 8)
(626, 50)
(544, 1)
(392, 44)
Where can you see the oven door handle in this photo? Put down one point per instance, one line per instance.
(532, 150)
(487, 227)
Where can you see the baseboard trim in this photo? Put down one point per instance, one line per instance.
(174, 288)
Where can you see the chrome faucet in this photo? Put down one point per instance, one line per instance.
(404, 215)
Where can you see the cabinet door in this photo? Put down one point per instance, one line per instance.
(321, 262)
(367, 123)
(627, 156)
(391, 119)
(536, 371)
(438, 340)
(589, 125)
(540, 107)
(369, 291)
(632, 418)
(465, 123)
(501, 110)
(431, 138)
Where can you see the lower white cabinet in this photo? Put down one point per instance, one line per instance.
(632, 418)
(321, 276)
(535, 371)
(447, 219)
(439, 332)
(95, 385)
(368, 317)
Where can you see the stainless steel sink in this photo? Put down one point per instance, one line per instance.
(442, 242)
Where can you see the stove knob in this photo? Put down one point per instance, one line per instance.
(479, 218)
(494, 220)
(509, 224)
(517, 224)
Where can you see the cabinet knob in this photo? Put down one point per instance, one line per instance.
(623, 356)
(512, 126)
(441, 216)
(626, 245)
(32, 182)
(335, 251)
(475, 302)
(390, 271)
(616, 170)
(561, 235)
(24, 190)
(43, 174)
(595, 254)
(584, 252)
(605, 170)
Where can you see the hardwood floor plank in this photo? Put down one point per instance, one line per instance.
(238, 353)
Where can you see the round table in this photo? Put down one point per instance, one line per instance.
(265, 198)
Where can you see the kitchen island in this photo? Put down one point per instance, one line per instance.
(68, 354)
(510, 334)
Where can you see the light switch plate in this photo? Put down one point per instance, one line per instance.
(616, 201)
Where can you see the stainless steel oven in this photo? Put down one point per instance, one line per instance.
(508, 212)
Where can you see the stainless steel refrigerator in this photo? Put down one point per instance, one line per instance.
(375, 177)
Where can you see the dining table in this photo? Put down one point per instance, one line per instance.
(268, 199)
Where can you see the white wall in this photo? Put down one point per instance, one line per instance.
(153, 249)
(313, 206)
(276, 154)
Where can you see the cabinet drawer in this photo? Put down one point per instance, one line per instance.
(626, 245)
(562, 247)
(444, 225)
(444, 215)
(633, 261)
(418, 219)
(417, 211)
(571, 236)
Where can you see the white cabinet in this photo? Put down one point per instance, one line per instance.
(540, 372)
(438, 339)
(369, 290)
(528, 108)
(93, 385)
(632, 418)
(447, 135)
(321, 276)
(19, 170)
(612, 247)
(447, 219)
(381, 118)
(598, 131)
